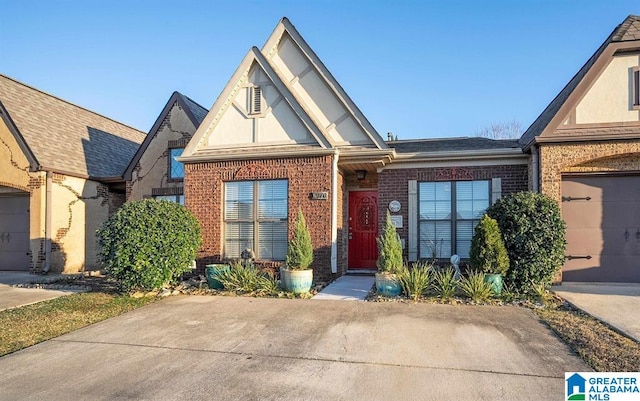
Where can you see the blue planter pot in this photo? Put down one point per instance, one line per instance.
(496, 283)
(212, 272)
(298, 281)
(388, 285)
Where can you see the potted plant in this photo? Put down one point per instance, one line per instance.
(297, 276)
(488, 254)
(212, 272)
(389, 261)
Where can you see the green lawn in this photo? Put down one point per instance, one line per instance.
(31, 324)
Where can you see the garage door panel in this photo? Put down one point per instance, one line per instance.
(605, 227)
(14, 233)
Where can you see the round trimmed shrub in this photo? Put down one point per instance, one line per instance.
(148, 244)
(488, 253)
(534, 235)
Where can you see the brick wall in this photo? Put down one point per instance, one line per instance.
(393, 185)
(204, 189)
(556, 159)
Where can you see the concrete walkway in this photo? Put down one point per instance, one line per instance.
(12, 297)
(618, 305)
(347, 288)
(241, 348)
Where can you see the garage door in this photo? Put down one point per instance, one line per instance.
(603, 228)
(14, 233)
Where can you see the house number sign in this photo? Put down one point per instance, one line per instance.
(394, 206)
(319, 195)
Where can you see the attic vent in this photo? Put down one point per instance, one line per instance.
(255, 100)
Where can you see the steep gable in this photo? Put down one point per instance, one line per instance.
(340, 120)
(64, 137)
(599, 93)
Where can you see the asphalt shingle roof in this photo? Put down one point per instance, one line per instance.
(452, 144)
(68, 138)
(628, 30)
(198, 111)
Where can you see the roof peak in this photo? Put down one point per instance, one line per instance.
(68, 102)
(628, 30)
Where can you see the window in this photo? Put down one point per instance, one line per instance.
(448, 213)
(255, 216)
(176, 169)
(171, 198)
(636, 87)
(255, 100)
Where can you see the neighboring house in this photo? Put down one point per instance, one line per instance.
(154, 171)
(585, 152)
(284, 136)
(61, 176)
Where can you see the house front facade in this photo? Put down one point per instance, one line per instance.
(284, 136)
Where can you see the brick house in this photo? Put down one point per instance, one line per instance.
(585, 153)
(61, 176)
(283, 135)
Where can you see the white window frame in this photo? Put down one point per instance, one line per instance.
(255, 220)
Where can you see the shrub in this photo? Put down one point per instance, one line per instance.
(389, 249)
(534, 235)
(416, 280)
(148, 244)
(300, 251)
(246, 278)
(444, 283)
(488, 253)
(473, 286)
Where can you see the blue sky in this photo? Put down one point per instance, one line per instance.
(420, 69)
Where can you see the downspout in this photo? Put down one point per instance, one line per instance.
(535, 168)
(47, 224)
(334, 213)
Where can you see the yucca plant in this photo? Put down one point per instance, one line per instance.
(444, 283)
(416, 280)
(247, 278)
(473, 286)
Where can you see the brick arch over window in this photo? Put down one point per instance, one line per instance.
(14, 186)
(563, 158)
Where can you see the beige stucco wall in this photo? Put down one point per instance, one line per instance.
(556, 159)
(610, 98)
(79, 208)
(15, 176)
(276, 125)
(152, 169)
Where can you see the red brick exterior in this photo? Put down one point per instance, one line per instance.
(393, 185)
(204, 189)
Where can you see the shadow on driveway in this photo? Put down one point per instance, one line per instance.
(224, 348)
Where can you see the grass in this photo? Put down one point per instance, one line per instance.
(602, 348)
(28, 325)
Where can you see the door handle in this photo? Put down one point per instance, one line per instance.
(571, 257)
(2, 237)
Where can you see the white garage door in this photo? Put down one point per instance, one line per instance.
(603, 228)
(14, 232)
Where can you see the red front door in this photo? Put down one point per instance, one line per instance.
(363, 229)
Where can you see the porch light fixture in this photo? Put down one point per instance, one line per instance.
(361, 174)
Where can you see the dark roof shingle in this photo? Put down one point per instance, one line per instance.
(199, 112)
(452, 145)
(68, 138)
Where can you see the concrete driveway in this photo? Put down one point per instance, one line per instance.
(223, 348)
(618, 305)
(11, 297)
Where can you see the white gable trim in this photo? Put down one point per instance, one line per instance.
(226, 100)
(271, 46)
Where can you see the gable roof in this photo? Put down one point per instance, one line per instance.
(223, 102)
(285, 26)
(60, 136)
(628, 30)
(194, 112)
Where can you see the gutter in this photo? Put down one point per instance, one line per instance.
(448, 155)
(212, 157)
(334, 213)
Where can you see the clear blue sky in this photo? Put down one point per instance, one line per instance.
(416, 68)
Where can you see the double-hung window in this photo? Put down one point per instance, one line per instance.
(635, 86)
(255, 217)
(448, 213)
